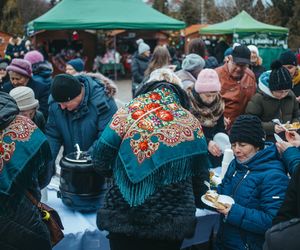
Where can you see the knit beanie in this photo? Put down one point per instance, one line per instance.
(65, 87)
(288, 58)
(248, 129)
(24, 97)
(207, 81)
(77, 64)
(193, 61)
(34, 56)
(228, 52)
(20, 66)
(253, 48)
(280, 78)
(143, 47)
(3, 63)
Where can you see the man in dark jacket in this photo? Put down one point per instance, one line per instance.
(79, 110)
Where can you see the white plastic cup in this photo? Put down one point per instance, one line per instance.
(227, 158)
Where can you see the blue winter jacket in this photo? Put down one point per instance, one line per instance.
(83, 125)
(291, 159)
(258, 188)
(42, 72)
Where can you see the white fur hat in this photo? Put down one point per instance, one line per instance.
(253, 48)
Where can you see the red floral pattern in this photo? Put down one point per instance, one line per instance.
(19, 130)
(158, 115)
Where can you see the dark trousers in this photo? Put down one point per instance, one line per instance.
(123, 242)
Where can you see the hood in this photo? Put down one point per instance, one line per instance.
(43, 69)
(109, 85)
(263, 83)
(8, 110)
(264, 159)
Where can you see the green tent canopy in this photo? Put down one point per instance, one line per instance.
(104, 14)
(242, 22)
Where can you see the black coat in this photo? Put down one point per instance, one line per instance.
(138, 67)
(290, 208)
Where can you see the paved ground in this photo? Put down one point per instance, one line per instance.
(124, 91)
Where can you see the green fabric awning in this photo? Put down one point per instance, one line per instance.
(104, 14)
(242, 22)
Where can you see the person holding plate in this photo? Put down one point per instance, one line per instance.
(274, 100)
(256, 180)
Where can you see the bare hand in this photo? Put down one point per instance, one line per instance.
(282, 146)
(293, 137)
(227, 121)
(278, 129)
(214, 149)
(298, 98)
(226, 210)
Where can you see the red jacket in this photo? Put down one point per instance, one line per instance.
(236, 94)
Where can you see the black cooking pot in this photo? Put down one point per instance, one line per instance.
(81, 188)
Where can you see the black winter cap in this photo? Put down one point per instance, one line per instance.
(288, 58)
(280, 78)
(65, 88)
(248, 129)
(241, 54)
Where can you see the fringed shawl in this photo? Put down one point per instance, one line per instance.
(157, 140)
(19, 142)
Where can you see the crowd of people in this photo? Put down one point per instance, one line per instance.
(158, 148)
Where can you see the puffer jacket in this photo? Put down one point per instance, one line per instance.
(258, 188)
(138, 66)
(42, 72)
(83, 125)
(264, 105)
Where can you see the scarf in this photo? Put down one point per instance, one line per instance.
(19, 142)
(157, 140)
(207, 114)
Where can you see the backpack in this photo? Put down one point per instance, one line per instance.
(283, 236)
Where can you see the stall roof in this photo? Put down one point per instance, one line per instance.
(242, 22)
(104, 14)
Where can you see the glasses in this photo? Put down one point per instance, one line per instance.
(2, 69)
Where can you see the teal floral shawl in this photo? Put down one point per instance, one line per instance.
(156, 140)
(19, 142)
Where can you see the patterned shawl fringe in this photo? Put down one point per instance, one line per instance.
(136, 193)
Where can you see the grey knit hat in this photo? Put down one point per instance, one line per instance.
(24, 96)
(143, 47)
(193, 61)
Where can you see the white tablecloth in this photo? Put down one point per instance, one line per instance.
(81, 232)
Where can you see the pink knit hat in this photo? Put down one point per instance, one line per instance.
(34, 56)
(21, 66)
(207, 81)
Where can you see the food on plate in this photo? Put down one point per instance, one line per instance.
(213, 196)
(211, 174)
(294, 125)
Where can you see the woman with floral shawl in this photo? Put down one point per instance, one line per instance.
(156, 153)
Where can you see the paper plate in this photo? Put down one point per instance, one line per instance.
(225, 199)
(222, 140)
